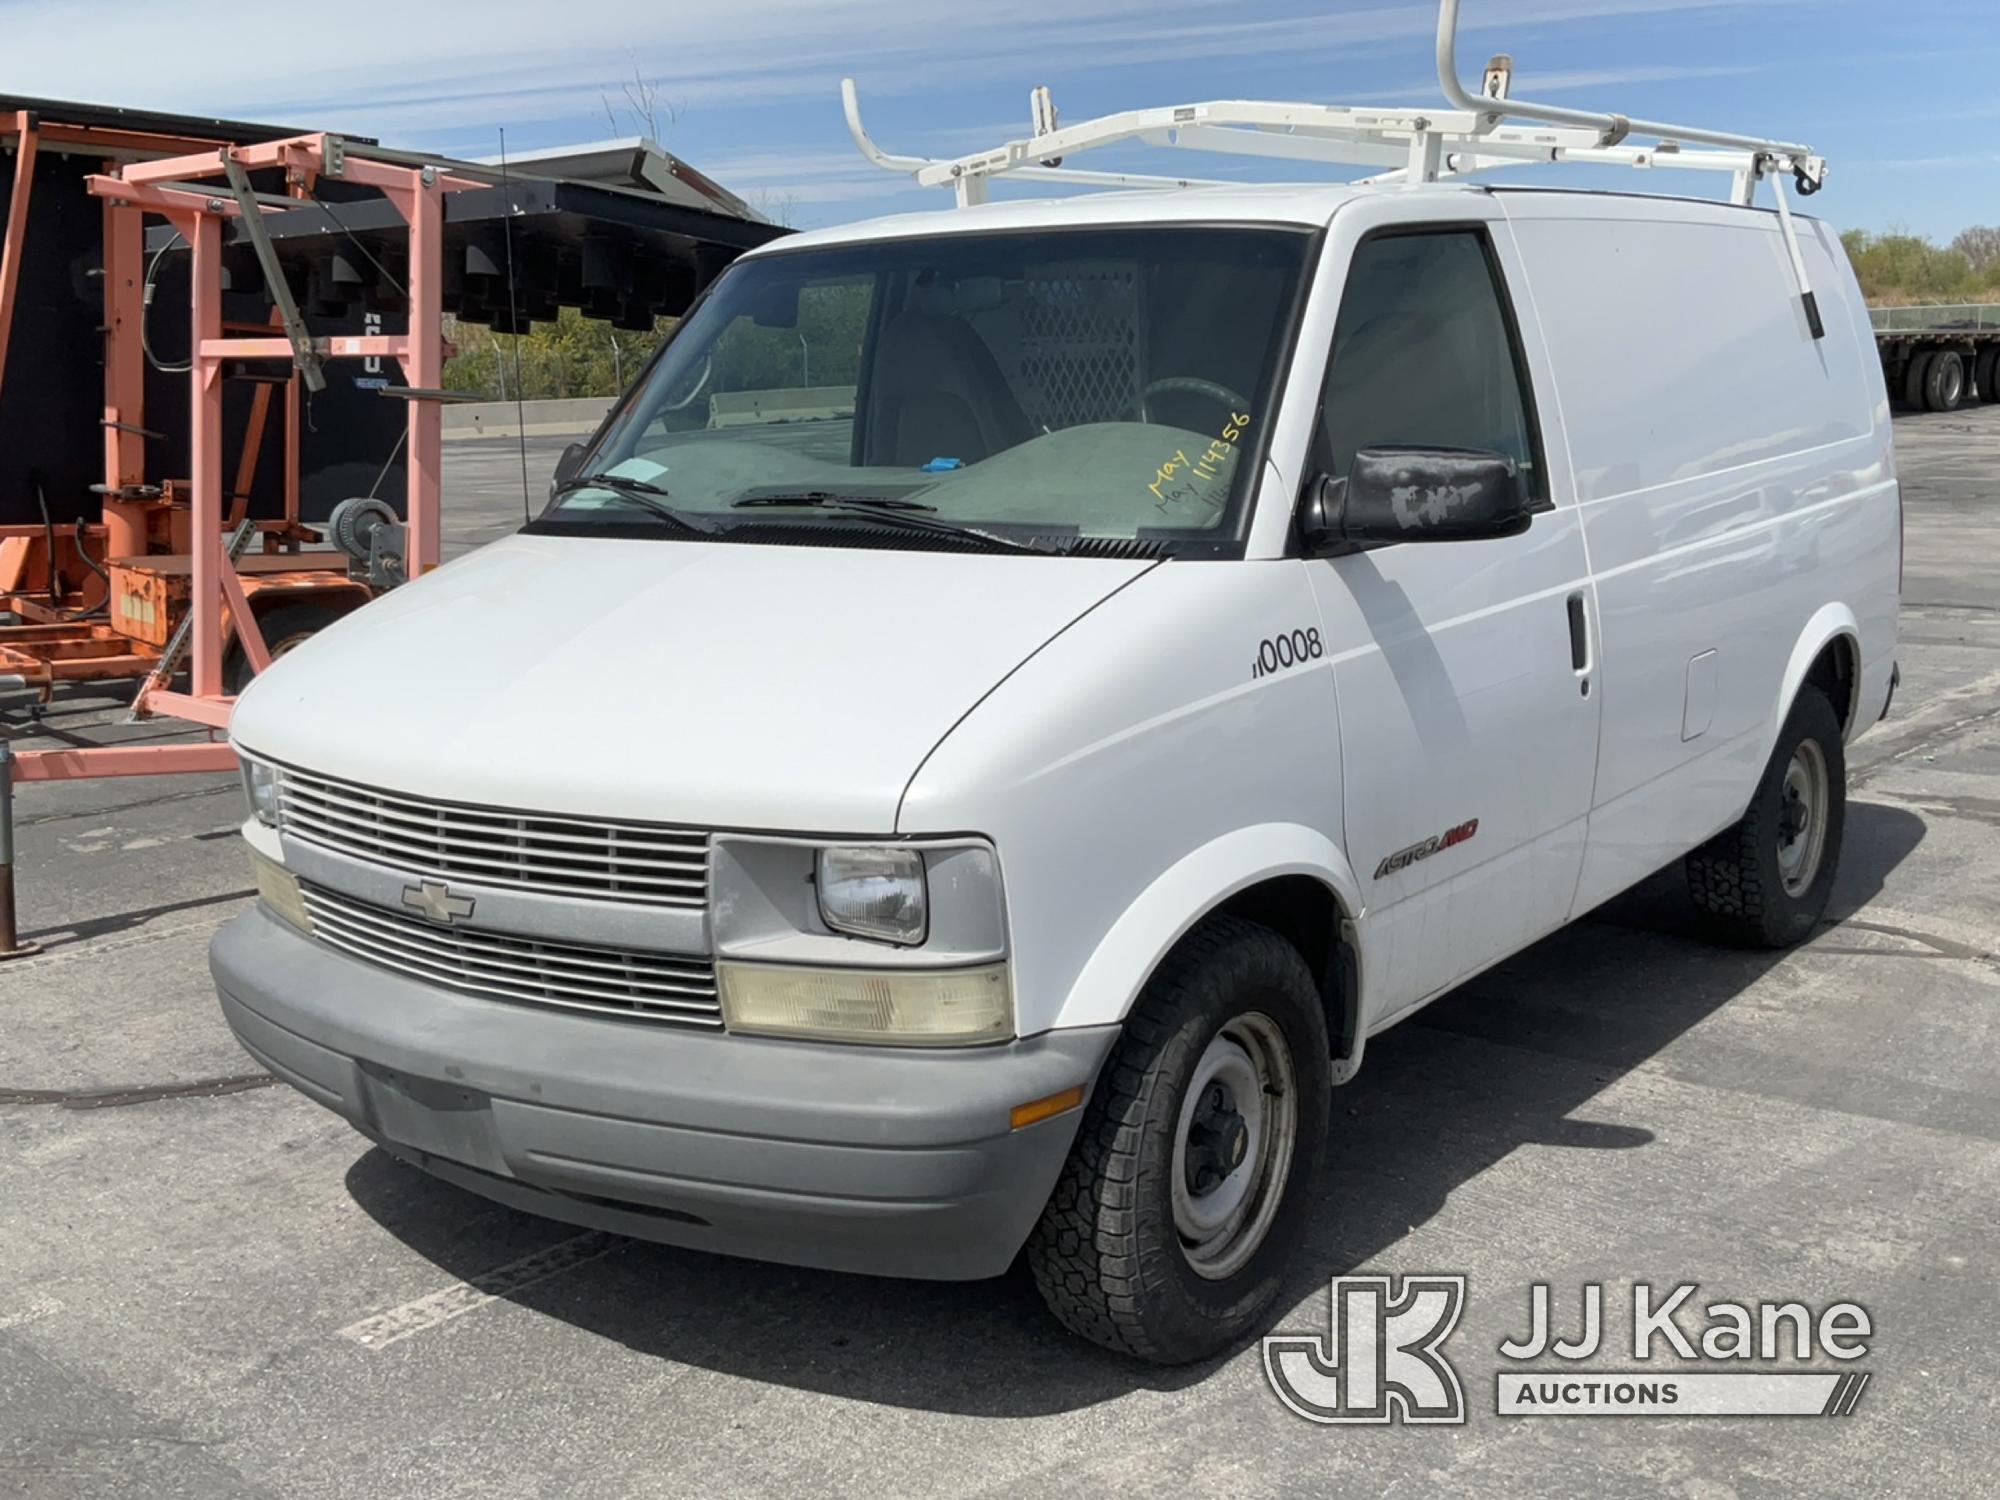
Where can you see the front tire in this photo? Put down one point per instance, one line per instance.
(1764, 882)
(1192, 1177)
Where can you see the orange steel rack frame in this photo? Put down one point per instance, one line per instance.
(50, 581)
(183, 190)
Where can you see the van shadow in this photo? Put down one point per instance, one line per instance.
(1434, 1106)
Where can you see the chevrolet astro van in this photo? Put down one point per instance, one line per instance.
(1037, 687)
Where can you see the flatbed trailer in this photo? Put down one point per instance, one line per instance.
(1939, 358)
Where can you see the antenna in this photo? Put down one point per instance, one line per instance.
(514, 325)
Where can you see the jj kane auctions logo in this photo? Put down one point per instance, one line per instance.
(1382, 1356)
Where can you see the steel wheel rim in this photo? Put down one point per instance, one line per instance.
(1802, 817)
(1222, 1226)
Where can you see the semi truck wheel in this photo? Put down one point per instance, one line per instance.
(1944, 381)
(1764, 882)
(1986, 374)
(284, 627)
(1914, 374)
(1195, 1167)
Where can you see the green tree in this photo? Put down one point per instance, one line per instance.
(1980, 244)
(570, 356)
(1902, 267)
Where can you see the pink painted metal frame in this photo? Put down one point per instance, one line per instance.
(171, 187)
(27, 139)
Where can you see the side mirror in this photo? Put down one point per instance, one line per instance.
(1320, 514)
(1416, 495)
(569, 463)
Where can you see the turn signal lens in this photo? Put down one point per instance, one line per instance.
(279, 889)
(1034, 1112)
(918, 1008)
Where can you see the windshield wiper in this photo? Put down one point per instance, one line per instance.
(909, 514)
(826, 499)
(642, 493)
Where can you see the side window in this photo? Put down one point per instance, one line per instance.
(1424, 355)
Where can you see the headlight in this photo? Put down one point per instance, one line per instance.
(279, 889)
(260, 786)
(873, 893)
(916, 1007)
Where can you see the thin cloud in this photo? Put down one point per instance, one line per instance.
(1530, 84)
(454, 64)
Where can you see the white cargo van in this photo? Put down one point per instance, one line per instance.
(983, 792)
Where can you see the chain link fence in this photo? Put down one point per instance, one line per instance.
(564, 359)
(1922, 315)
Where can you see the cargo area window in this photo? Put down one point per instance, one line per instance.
(1425, 355)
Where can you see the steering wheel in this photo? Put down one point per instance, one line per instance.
(1214, 390)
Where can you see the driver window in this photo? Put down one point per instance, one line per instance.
(1424, 356)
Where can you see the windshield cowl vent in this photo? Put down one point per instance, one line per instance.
(1117, 547)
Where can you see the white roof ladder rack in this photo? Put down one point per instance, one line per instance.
(1409, 145)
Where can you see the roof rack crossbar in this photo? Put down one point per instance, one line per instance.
(1614, 127)
(1408, 145)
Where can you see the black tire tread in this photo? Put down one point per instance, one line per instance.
(1086, 1253)
(1986, 374)
(277, 623)
(1726, 877)
(1936, 395)
(1722, 874)
(1916, 370)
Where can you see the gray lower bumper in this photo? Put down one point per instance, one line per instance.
(878, 1160)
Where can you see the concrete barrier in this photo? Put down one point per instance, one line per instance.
(483, 419)
(811, 403)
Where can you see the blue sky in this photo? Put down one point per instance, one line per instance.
(1901, 97)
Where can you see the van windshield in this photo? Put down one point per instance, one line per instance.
(1030, 386)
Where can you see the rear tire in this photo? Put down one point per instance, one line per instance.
(1194, 1170)
(1914, 374)
(1986, 374)
(1764, 882)
(283, 627)
(1944, 381)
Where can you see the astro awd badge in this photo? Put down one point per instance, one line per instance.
(1403, 858)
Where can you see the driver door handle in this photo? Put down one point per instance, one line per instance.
(1579, 641)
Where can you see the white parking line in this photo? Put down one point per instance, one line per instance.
(441, 1306)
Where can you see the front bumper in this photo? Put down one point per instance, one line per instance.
(885, 1161)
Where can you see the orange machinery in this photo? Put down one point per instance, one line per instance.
(153, 581)
(106, 599)
(152, 558)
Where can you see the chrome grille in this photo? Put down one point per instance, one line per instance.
(570, 976)
(637, 863)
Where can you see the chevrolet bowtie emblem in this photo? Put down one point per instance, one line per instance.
(436, 901)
